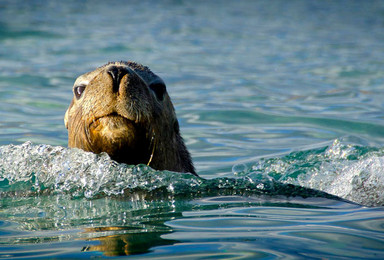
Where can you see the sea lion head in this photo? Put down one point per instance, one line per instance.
(123, 109)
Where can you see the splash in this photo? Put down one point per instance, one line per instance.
(348, 171)
(29, 169)
(351, 172)
(40, 168)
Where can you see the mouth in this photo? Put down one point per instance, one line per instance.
(115, 115)
(111, 121)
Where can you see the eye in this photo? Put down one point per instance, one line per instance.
(78, 90)
(159, 88)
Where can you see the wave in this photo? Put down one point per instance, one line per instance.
(350, 172)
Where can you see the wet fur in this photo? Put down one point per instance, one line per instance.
(94, 121)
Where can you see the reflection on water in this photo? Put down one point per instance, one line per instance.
(127, 244)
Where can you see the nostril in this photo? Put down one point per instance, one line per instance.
(117, 73)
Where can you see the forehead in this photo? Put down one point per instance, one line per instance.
(142, 71)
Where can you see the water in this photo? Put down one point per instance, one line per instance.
(279, 102)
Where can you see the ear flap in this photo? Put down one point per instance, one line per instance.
(66, 115)
(66, 119)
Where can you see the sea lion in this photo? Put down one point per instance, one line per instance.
(123, 109)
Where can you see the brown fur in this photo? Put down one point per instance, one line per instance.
(125, 111)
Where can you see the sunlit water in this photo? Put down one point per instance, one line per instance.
(280, 104)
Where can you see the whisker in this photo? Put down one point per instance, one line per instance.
(153, 141)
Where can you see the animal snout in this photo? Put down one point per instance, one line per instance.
(117, 73)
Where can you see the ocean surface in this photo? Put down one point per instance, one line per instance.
(280, 104)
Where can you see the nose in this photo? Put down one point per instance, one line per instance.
(117, 73)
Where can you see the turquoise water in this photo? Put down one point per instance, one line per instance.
(280, 104)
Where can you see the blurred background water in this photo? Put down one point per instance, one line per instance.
(258, 87)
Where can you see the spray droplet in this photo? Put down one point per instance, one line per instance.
(239, 169)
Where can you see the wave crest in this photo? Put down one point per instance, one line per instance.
(354, 173)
